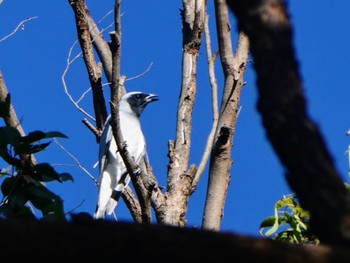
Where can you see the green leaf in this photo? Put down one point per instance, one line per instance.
(9, 135)
(50, 204)
(7, 185)
(39, 135)
(45, 172)
(275, 225)
(268, 222)
(55, 211)
(66, 177)
(24, 148)
(8, 211)
(19, 198)
(8, 158)
(39, 190)
(33, 137)
(54, 134)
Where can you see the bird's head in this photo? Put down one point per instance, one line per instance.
(135, 102)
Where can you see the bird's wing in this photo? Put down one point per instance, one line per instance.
(109, 162)
(104, 145)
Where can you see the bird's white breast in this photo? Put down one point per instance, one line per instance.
(132, 134)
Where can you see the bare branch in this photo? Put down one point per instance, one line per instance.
(100, 45)
(11, 119)
(95, 37)
(94, 70)
(132, 204)
(220, 163)
(19, 26)
(214, 102)
(179, 180)
(153, 189)
(63, 78)
(91, 128)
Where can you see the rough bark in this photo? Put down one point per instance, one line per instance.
(100, 45)
(296, 139)
(220, 160)
(94, 70)
(180, 177)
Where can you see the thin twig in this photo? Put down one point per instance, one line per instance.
(83, 95)
(143, 73)
(18, 27)
(105, 16)
(92, 128)
(63, 78)
(70, 62)
(76, 160)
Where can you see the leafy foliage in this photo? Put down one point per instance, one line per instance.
(24, 182)
(290, 223)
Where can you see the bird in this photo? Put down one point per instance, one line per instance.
(113, 175)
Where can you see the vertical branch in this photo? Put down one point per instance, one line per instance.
(214, 102)
(297, 140)
(11, 118)
(116, 91)
(179, 176)
(220, 162)
(100, 45)
(94, 70)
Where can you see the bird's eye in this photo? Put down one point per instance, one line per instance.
(138, 96)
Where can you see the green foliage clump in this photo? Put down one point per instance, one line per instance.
(290, 223)
(24, 181)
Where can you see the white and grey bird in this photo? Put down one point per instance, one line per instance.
(113, 176)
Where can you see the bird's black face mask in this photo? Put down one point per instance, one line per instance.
(139, 101)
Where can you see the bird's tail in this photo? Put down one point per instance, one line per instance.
(117, 193)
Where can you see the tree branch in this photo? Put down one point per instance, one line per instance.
(132, 204)
(94, 70)
(100, 45)
(20, 25)
(220, 161)
(179, 180)
(11, 119)
(69, 62)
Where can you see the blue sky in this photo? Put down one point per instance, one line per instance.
(34, 59)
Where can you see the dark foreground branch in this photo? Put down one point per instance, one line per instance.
(96, 240)
(310, 170)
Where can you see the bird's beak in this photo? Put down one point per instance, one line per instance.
(151, 98)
